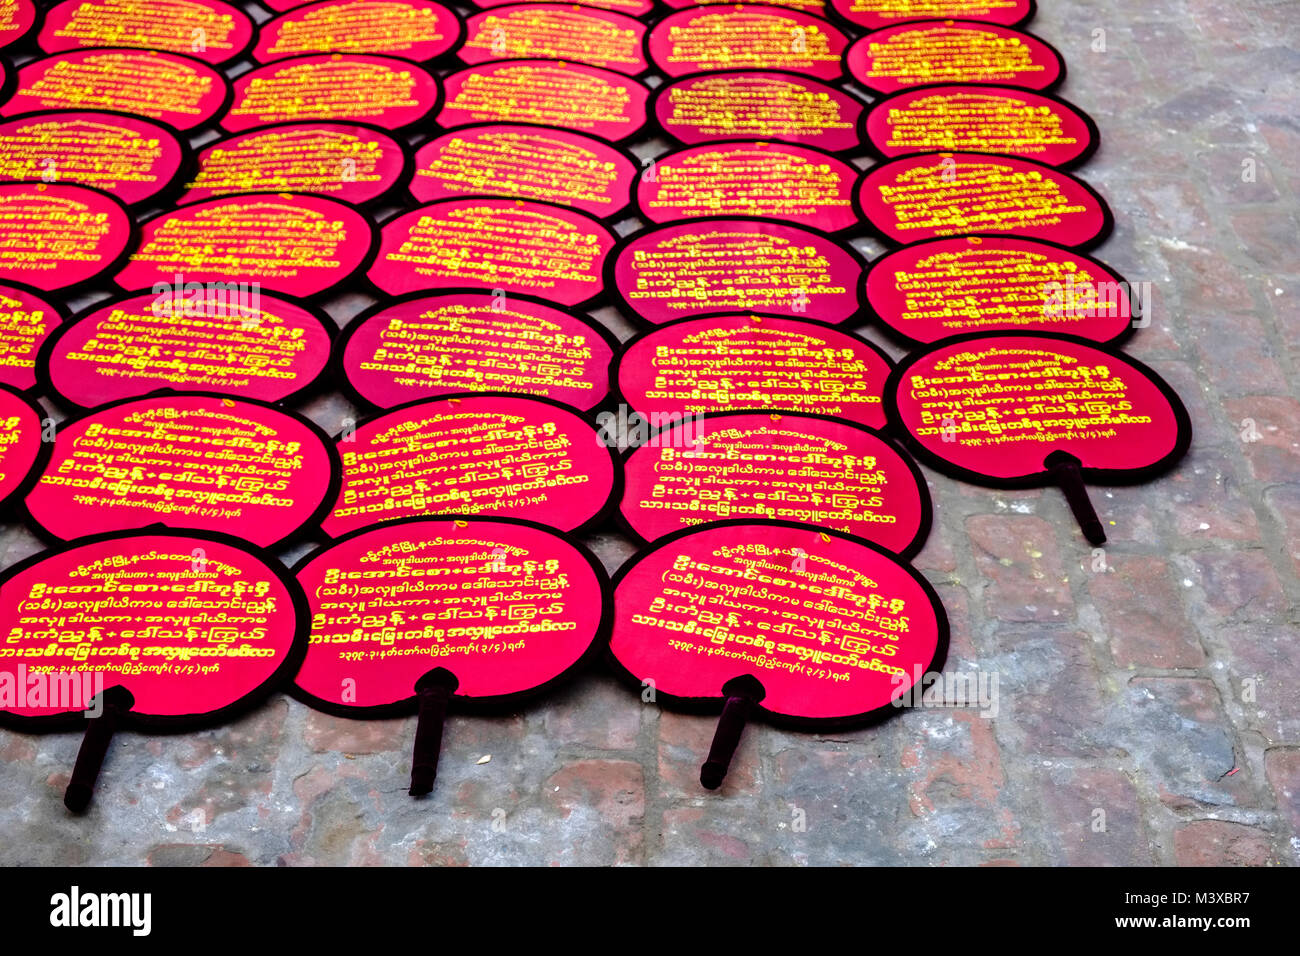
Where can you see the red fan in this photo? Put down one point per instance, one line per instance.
(177, 89)
(876, 14)
(187, 460)
(525, 162)
(930, 290)
(815, 7)
(723, 363)
(795, 184)
(732, 265)
(208, 30)
(820, 629)
(298, 245)
(556, 31)
(422, 614)
(271, 349)
(746, 36)
(354, 162)
(982, 119)
(1023, 409)
(634, 8)
(952, 51)
(411, 29)
(26, 321)
(574, 96)
(156, 631)
(23, 452)
(16, 22)
(128, 157)
(425, 346)
(485, 454)
(785, 465)
(530, 248)
(54, 236)
(709, 107)
(953, 194)
(338, 87)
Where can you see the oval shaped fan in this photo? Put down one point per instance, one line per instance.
(964, 284)
(1023, 409)
(746, 36)
(525, 162)
(574, 96)
(186, 460)
(154, 631)
(295, 244)
(415, 30)
(267, 348)
(806, 627)
(789, 466)
(354, 162)
(532, 248)
(787, 107)
(743, 362)
(483, 454)
(424, 614)
(563, 32)
(954, 194)
(425, 346)
(795, 184)
(952, 51)
(128, 157)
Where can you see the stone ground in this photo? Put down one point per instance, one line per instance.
(1147, 707)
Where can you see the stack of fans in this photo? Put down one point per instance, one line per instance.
(195, 197)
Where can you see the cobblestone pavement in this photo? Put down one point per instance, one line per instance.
(1147, 707)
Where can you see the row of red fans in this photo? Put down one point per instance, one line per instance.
(777, 514)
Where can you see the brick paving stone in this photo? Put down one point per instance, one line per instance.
(1093, 819)
(938, 553)
(829, 807)
(955, 788)
(1212, 422)
(1283, 141)
(1282, 769)
(1268, 237)
(1020, 558)
(598, 712)
(1050, 697)
(1127, 515)
(1268, 426)
(1208, 499)
(1142, 611)
(607, 799)
(962, 651)
(1283, 296)
(1264, 671)
(325, 733)
(1284, 502)
(1176, 731)
(1220, 843)
(684, 741)
(1205, 278)
(1235, 175)
(1225, 585)
(1243, 362)
(709, 836)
